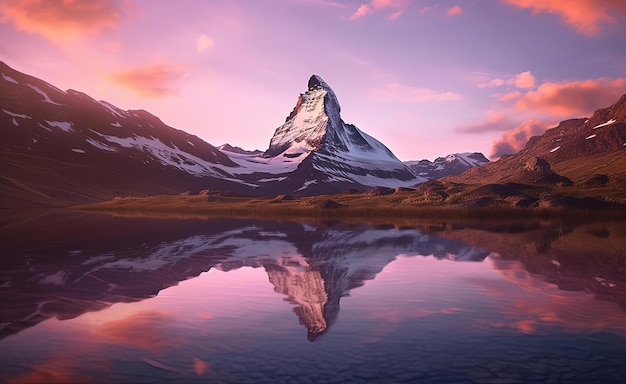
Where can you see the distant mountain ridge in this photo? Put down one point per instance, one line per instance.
(452, 164)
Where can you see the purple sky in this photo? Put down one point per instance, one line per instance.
(427, 78)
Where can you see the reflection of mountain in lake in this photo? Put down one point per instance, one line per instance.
(63, 265)
(585, 257)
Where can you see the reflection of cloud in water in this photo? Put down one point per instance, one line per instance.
(201, 367)
(60, 370)
(532, 303)
(146, 329)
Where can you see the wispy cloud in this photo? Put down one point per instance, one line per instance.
(204, 43)
(578, 98)
(515, 139)
(495, 122)
(453, 11)
(58, 19)
(327, 3)
(426, 9)
(398, 7)
(584, 15)
(408, 94)
(522, 80)
(152, 81)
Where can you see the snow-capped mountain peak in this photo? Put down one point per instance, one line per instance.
(316, 123)
(314, 131)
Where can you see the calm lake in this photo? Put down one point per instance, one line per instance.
(104, 299)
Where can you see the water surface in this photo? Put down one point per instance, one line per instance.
(95, 298)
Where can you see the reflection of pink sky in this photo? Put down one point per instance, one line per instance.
(146, 329)
(479, 295)
(155, 327)
(55, 370)
(494, 293)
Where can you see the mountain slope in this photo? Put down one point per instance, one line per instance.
(581, 150)
(61, 147)
(315, 152)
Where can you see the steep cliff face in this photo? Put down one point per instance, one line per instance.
(315, 124)
(315, 151)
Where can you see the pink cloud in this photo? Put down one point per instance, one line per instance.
(153, 81)
(58, 20)
(584, 15)
(495, 122)
(204, 43)
(452, 11)
(578, 98)
(426, 9)
(396, 92)
(524, 80)
(515, 139)
(492, 83)
(376, 5)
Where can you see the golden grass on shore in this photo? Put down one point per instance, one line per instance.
(340, 207)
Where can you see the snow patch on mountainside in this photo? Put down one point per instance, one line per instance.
(9, 79)
(16, 114)
(45, 96)
(65, 126)
(166, 155)
(252, 164)
(114, 110)
(465, 158)
(307, 184)
(100, 145)
(612, 121)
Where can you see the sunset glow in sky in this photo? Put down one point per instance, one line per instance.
(425, 77)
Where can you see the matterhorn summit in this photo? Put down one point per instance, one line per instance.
(315, 151)
(315, 124)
